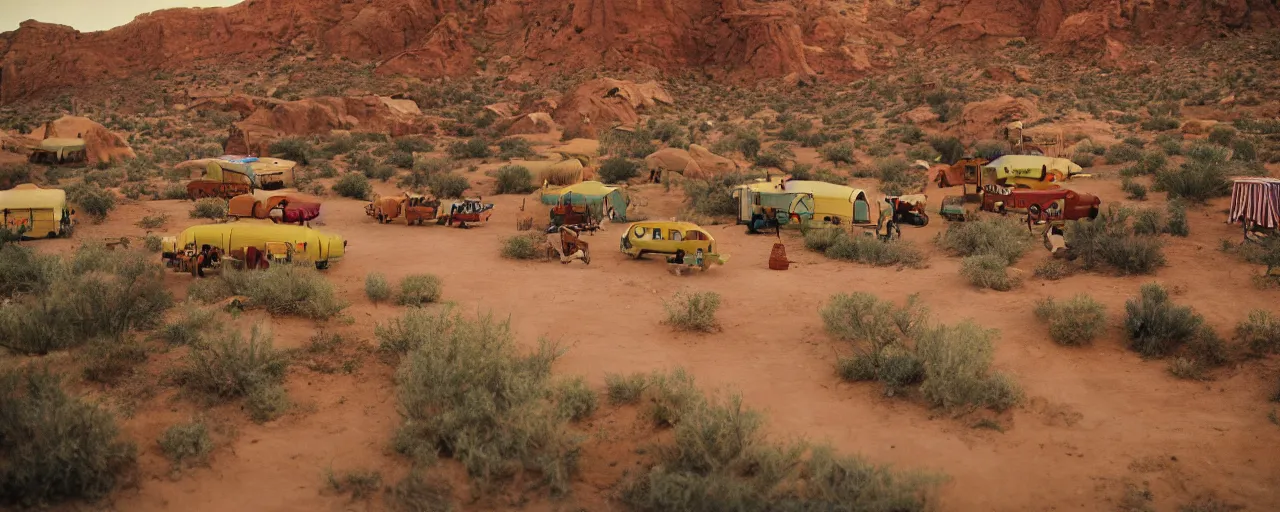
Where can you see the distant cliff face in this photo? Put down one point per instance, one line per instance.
(733, 39)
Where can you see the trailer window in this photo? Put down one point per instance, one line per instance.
(676, 236)
(657, 233)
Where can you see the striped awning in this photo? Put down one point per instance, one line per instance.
(1256, 200)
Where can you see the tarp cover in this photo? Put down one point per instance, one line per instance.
(1034, 163)
(1256, 200)
(589, 192)
(28, 196)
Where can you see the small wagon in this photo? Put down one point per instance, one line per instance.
(465, 213)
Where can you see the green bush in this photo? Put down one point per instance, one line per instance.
(1000, 236)
(1195, 181)
(514, 179)
(861, 317)
(515, 147)
(1222, 135)
(618, 170)
(376, 287)
(1157, 327)
(412, 144)
(898, 172)
(1169, 144)
(957, 361)
(1083, 159)
(1074, 322)
(1134, 190)
(988, 271)
(209, 208)
(475, 147)
(23, 270)
(837, 153)
(110, 360)
(420, 492)
(574, 399)
(381, 173)
(1243, 150)
(298, 150)
(1121, 153)
(95, 202)
(1260, 332)
(467, 393)
(400, 159)
(55, 446)
(360, 483)
(693, 312)
(229, 367)
(715, 196)
(625, 389)
(353, 185)
(1148, 221)
(837, 244)
(418, 290)
(1177, 224)
(1147, 163)
(523, 247)
(448, 185)
(152, 243)
(951, 149)
(719, 459)
(186, 443)
(1052, 270)
(296, 290)
(1109, 240)
(189, 328)
(1160, 124)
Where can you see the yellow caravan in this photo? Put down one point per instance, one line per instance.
(670, 237)
(1031, 171)
(833, 204)
(303, 243)
(42, 211)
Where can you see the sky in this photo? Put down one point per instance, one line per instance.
(89, 15)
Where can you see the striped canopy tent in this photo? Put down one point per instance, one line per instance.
(611, 199)
(1255, 201)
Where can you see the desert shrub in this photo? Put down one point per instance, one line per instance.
(420, 492)
(950, 148)
(1109, 240)
(229, 367)
(720, 459)
(869, 250)
(1147, 163)
(353, 185)
(1133, 190)
(1195, 181)
(1075, 321)
(988, 271)
(152, 243)
(298, 150)
(110, 360)
(1157, 327)
(1260, 333)
(1201, 152)
(95, 202)
(908, 133)
(1222, 135)
(360, 484)
(105, 293)
(174, 191)
(1148, 221)
(822, 239)
(957, 361)
(1160, 124)
(448, 185)
(923, 152)
(693, 312)
(418, 290)
(23, 270)
(625, 389)
(1177, 224)
(1243, 150)
(186, 443)
(514, 179)
(1000, 236)
(381, 173)
(574, 399)
(1121, 153)
(837, 153)
(1052, 270)
(618, 170)
(474, 147)
(523, 247)
(989, 149)
(863, 317)
(898, 172)
(267, 402)
(56, 446)
(770, 158)
(209, 208)
(376, 287)
(189, 328)
(467, 393)
(515, 147)
(400, 159)
(1168, 144)
(714, 196)
(297, 290)
(411, 144)
(1083, 159)
(1186, 368)
(153, 221)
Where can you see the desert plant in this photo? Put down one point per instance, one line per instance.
(1157, 327)
(418, 290)
(360, 484)
(1133, 190)
(693, 312)
(988, 271)
(396, 159)
(1000, 236)
(474, 147)
(1195, 181)
(419, 492)
(153, 221)
(1121, 153)
(448, 185)
(1160, 124)
(957, 373)
(186, 443)
(95, 202)
(209, 208)
(1186, 368)
(714, 196)
(353, 185)
(110, 360)
(514, 179)
(1222, 135)
(298, 150)
(867, 249)
(516, 430)
(376, 287)
(1177, 224)
(1109, 240)
(1148, 221)
(523, 247)
(625, 389)
(950, 148)
(515, 147)
(618, 170)
(1260, 333)
(837, 153)
(381, 173)
(1052, 270)
(189, 328)
(574, 399)
(56, 446)
(297, 290)
(1075, 321)
(411, 144)
(230, 367)
(152, 243)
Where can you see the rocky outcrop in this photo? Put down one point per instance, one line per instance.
(605, 103)
(319, 116)
(100, 144)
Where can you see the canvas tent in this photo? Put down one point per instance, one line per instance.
(42, 210)
(613, 202)
(1256, 202)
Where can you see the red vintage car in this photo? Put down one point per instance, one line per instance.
(1049, 205)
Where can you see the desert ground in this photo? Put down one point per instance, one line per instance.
(1094, 426)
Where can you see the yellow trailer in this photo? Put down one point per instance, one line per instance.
(41, 211)
(304, 243)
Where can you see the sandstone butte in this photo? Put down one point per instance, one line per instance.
(799, 40)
